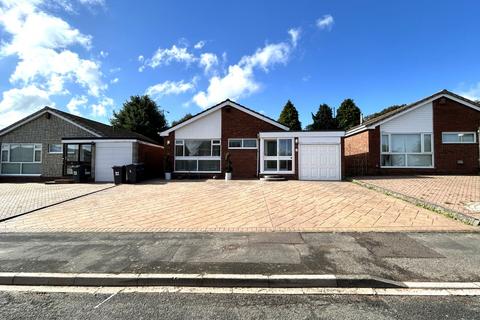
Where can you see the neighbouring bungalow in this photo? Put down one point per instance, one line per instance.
(436, 135)
(46, 144)
(258, 146)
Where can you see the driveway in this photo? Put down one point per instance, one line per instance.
(457, 193)
(234, 206)
(20, 198)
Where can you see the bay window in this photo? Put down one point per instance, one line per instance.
(277, 156)
(412, 150)
(21, 159)
(197, 155)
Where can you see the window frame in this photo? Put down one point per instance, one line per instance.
(7, 146)
(242, 144)
(458, 134)
(213, 142)
(276, 158)
(51, 152)
(422, 150)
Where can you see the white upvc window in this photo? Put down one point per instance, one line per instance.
(55, 148)
(406, 150)
(459, 137)
(243, 143)
(198, 155)
(277, 156)
(21, 159)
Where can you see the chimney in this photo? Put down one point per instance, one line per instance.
(361, 118)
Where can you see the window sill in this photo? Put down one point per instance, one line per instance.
(197, 171)
(404, 167)
(277, 172)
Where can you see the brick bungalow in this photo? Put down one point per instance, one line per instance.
(47, 143)
(258, 146)
(436, 135)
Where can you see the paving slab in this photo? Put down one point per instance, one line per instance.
(235, 206)
(457, 193)
(20, 198)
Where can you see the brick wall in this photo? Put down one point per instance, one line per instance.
(362, 151)
(152, 157)
(235, 124)
(46, 131)
(449, 115)
(356, 153)
(238, 124)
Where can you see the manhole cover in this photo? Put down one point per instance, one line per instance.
(473, 206)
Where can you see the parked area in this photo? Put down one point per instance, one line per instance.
(19, 198)
(234, 206)
(457, 193)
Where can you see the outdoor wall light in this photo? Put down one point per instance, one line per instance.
(168, 142)
(296, 140)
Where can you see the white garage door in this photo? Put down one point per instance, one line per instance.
(109, 154)
(319, 162)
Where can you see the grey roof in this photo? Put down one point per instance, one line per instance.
(387, 115)
(103, 130)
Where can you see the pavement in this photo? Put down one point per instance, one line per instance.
(234, 206)
(30, 305)
(20, 198)
(394, 256)
(460, 194)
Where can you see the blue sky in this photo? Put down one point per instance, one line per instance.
(89, 56)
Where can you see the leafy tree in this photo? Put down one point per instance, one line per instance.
(348, 115)
(289, 117)
(142, 115)
(385, 110)
(184, 118)
(323, 119)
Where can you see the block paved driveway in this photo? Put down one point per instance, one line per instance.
(19, 198)
(458, 193)
(234, 206)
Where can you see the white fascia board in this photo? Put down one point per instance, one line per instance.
(223, 104)
(358, 130)
(29, 118)
(86, 140)
(374, 125)
(298, 134)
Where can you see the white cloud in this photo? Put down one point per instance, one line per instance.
(93, 2)
(115, 80)
(325, 22)
(239, 80)
(169, 87)
(472, 93)
(199, 45)
(76, 102)
(43, 43)
(208, 61)
(141, 58)
(100, 109)
(104, 54)
(18, 103)
(294, 35)
(167, 56)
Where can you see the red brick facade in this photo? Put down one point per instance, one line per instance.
(238, 124)
(362, 150)
(235, 124)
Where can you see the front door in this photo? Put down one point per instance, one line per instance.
(77, 154)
